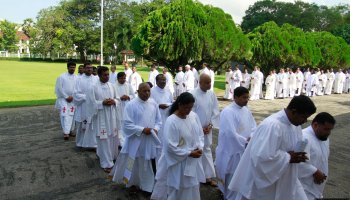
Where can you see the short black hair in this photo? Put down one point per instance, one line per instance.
(120, 74)
(184, 99)
(87, 63)
(324, 117)
(302, 104)
(101, 69)
(239, 91)
(71, 63)
(158, 76)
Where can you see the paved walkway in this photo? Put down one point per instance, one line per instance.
(37, 164)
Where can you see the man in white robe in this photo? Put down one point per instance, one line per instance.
(269, 166)
(152, 75)
(299, 81)
(188, 81)
(312, 84)
(113, 75)
(347, 82)
(322, 81)
(127, 71)
(206, 107)
(196, 76)
(245, 79)
(163, 97)
(270, 83)
(101, 109)
(292, 84)
(261, 80)
(339, 82)
(255, 84)
(65, 84)
(169, 80)
(330, 81)
(212, 77)
(179, 88)
(236, 79)
(205, 69)
(135, 79)
(228, 92)
(85, 137)
(236, 126)
(80, 70)
(124, 93)
(135, 165)
(314, 172)
(307, 73)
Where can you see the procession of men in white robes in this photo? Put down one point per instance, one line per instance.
(251, 162)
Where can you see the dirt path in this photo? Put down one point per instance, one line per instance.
(37, 164)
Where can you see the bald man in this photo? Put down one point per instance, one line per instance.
(207, 108)
(136, 163)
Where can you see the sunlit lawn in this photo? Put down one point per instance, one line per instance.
(32, 83)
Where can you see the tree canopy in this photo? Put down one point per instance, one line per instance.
(8, 37)
(287, 46)
(186, 31)
(308, 17)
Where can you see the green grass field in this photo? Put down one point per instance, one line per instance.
(32, 83)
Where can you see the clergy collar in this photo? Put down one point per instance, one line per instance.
(159, 89)
(140, 100)
(234, 104)
(106, 83)
(284, 117)
(200, 90)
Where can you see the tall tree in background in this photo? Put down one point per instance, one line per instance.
(8, 37)
(308, 17)
(185, 31)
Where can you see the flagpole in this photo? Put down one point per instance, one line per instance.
(101, 58)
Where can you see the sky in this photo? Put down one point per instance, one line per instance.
(18, 10)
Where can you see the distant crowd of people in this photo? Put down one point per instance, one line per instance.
(156, 137)
(288, 83)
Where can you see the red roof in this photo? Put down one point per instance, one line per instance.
(22, 36)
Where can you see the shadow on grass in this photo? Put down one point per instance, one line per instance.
(14, 104)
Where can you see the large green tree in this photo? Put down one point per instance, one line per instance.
(308, 17)
(287, 46)
(186, 31)
(8, 37)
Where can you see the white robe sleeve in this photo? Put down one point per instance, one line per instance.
(215, 117)
(59, 89)
(270, 162)
(129, 126)
(78, 95)
(306, 169)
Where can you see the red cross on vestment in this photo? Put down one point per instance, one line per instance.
(72, 109)
(64, 109)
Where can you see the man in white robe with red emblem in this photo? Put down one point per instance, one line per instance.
(64, 91)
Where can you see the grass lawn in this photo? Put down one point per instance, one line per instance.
(32, 83)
